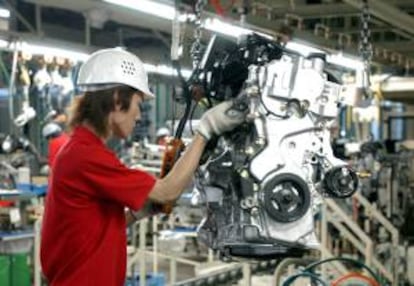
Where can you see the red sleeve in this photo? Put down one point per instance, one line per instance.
(54, 146)
(50, 155)
(53, 149)
(112, 180)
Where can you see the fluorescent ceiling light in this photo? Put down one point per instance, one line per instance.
(4, 43)
(146, 6)
(218, 26)
(336, 59)
(4, 13)
(35, 49)
(168, 12)
(215, 25)
(345, 61)
(303, 49)
(79, 56)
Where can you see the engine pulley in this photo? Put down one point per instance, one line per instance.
(286, 198)
(340, 182)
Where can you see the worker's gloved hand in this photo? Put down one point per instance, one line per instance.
(221, 118)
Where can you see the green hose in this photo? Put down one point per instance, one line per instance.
(355, 262)
(312, 276)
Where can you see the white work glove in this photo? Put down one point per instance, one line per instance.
(221, 118)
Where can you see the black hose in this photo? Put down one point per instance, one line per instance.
(187, 98)
(312, 276)
(355, 262)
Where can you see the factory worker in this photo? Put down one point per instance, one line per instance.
(83, 232)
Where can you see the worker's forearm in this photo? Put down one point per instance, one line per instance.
(181, 174)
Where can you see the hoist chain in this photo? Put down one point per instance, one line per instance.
(365, 46)
(196, 48)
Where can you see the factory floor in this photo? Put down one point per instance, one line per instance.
(185, 272)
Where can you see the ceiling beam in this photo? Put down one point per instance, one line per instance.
(401, 3)
(19, 16)
(331, 43)
(309, 11)
(388, 13)
(345, 30)
(398, 46)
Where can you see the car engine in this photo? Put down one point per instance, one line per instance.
(262, 183)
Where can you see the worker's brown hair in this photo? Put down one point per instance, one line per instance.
(94, 107)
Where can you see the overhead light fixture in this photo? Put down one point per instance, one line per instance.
(345, 61)
(4, 13)
(146, 6)
(168, 12)
(35, 49)
(78, 56)
(303, 49)
(4, 44)
(338, 59)
(218, 26)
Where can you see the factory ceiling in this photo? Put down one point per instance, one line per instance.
(330, 24)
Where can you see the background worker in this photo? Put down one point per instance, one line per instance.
(56, 138)
(83, 232)
(162, 135)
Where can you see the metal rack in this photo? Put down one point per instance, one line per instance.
(353, 233)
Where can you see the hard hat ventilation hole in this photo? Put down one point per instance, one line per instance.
(128, 67)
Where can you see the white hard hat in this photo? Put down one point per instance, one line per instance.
(51, 129)
(109, 68)
(163, 131)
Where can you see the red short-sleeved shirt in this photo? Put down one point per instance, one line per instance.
(83, 230)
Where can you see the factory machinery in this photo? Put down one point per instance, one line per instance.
(358, 227)
(271, 192)
(271, 187)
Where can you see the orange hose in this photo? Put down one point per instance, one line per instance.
(354, 275)
(172, 152)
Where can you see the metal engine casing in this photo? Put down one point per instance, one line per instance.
(264, 181)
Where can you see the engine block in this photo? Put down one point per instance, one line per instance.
(263, 182)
